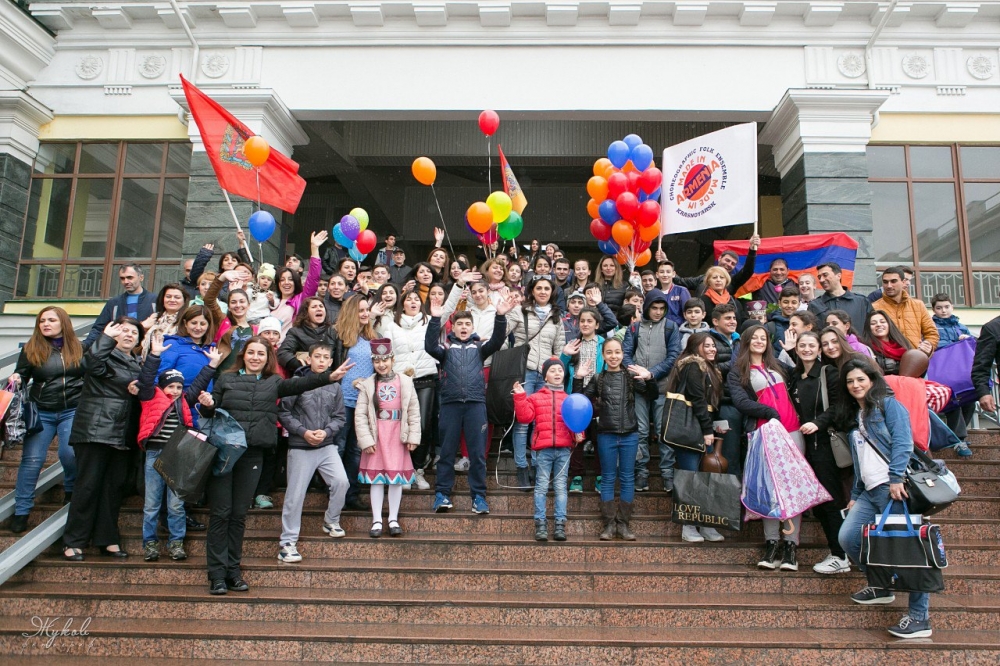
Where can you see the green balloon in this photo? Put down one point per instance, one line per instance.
(511, 228)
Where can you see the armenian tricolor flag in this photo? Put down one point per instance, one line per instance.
(803, 254)
(510, 185)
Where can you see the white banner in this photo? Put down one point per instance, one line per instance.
(710, 181)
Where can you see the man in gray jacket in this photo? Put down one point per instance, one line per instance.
(312, 420)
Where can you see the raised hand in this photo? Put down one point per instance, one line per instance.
(378, 309)
(209, 246)
(640, 372)
(205, 398)
(411, 284)
(156, 346)
(594, 296)
(316, 239)
(470, 275)
(438, 310)
(245, 275)
(214, 356)
(113, 330)
(438, 236)
(149, 322)
(755, 241)
(661, 255)
(791, 337)
(231, 276)
(506, 304)
(572, 348)
(341, 372)
(585, 369)
(517, 388)
(241, 237)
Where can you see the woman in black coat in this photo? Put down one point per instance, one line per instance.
(104, 433)
(250, 393)
(310, 327)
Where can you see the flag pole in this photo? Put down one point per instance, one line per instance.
(236, 220)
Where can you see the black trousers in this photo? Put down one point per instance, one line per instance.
(820, 458)
(425, 396)
(229, 498)
(97, 496)
(273, 471)
(958, 420)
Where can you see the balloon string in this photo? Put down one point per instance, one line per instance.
(443, 225)
(261, 246)
(489, 164)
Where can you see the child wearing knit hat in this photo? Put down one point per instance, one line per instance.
(261, 294)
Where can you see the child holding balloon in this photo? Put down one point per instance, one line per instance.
(552, 442)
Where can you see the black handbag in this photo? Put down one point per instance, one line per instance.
(508, 366)
(902, 553)
(706, 498)
(185, 463)
(680, 427)
(927, 492)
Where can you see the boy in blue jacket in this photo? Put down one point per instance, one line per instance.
(949, 327)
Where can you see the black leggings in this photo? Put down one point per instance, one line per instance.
(820, 458)
(426, 392)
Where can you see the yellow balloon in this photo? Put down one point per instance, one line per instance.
(501, 206)
(361, 215)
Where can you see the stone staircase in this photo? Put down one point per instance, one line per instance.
(460, 588)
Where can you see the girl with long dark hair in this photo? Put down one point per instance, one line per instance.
(885, 340)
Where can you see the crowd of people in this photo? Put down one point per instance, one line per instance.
(345, 375)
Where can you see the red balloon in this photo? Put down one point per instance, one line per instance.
(366, 241)
(599, 230)
(617, 184)
(489, 121)
(633, 181)
(648, 213)
(489, 237)
(622, 232)
(640, 245)
(650, 179)
(627, 205)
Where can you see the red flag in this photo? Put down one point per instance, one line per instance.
(510, 185)
(223, 136)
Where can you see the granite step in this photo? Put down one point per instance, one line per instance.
(470, 643)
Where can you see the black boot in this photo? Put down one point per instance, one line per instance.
(609, 510)
(523, 481)
(772, 555)
(623, 519)
(18, 524)
(541, 530)
(789, 561)
(560, 532)
(193, 525)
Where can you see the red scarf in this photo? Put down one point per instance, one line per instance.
(889, 349)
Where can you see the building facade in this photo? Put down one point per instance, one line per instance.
(880, 119)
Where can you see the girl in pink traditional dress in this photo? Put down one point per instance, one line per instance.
(387, 422)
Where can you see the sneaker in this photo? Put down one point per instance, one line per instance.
(641, 485)
(691, 534)
(597, 484)
(151, 551)
(217, 586)
(789, 562)
(437, 459)
(832, 565)
(576, 485)
(441, 503)
(263, 502)
(334, 530)
(711, 534)
(419, 481)
(289, 554)
(910, 628)
(772, 556)
(869, 596)
(962, 449)
(176, 551)
(479, 505)
(462, 465)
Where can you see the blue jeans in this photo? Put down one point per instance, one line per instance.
(866, 509)
(33, 457)
(155, 488)
(552, 462)
(617, 456)
(643, 405)
(532, 383)
(687, 459)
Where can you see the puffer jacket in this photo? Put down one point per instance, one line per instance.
(462, 362)
(300, 339)
(366, 420)
(408, 337)
(253, 402)
(547, 338)
(156, 405)
(544, 408)
(613, 395)
(55, 387)
(184, 356)
(107, 413)
(318, 409)
(949, 330)
(912, 319)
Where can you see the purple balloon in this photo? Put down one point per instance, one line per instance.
(350, 226)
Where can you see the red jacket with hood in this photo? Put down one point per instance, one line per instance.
(545, 409)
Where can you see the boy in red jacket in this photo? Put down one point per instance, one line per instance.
(552, 444)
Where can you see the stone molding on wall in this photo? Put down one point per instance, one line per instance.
(21, 116)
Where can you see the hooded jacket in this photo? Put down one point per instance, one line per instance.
(987, 353)
(950, 329)
(638, 334)
(544, 408)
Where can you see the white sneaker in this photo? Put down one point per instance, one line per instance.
(832, 565)
(691, 534)
(407, 486)
(711, 534)
(289, 555)
(462, 465)
(420, 481)
(334, 530)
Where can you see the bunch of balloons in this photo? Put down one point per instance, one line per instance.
(624, 204)
(494, 217)
(352, 232)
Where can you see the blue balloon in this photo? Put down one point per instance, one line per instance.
(261, 225)
(642, 196)
(655, 194)
(632, 140)
(608, 247)
(609, 211)
(577, 412)
(618, 153)
(340, 238)
(355, 255)
(642, 157)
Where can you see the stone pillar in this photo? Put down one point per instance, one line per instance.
(208, 219)
(818, 138)
(20, 118)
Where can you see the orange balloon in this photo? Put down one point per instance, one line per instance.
(622, 256)
(609, 171)
(628, 167)
(424, 171)
(597, 187)
(644, 258)
(256, 150)
(593, 209)
(601, 166)
(649, 233)
(480, 217)
(622, 232)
